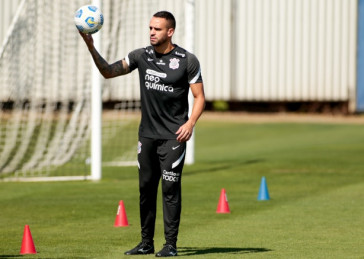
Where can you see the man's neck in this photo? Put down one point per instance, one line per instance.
(164, 49)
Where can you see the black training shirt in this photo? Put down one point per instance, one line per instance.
(164, 84)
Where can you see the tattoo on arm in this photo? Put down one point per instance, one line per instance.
(118, 68)
(108, 71)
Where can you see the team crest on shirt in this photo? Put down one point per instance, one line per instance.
(174, 63)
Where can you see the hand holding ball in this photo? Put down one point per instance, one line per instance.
(89, 19)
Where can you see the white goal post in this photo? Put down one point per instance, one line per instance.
(96, 111)
(190, 46)
(52, 123)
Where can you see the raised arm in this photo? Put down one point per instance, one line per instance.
(107, 70)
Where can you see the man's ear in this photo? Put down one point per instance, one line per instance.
(170, 32)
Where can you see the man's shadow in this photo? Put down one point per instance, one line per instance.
(220, 167)
(188, 251)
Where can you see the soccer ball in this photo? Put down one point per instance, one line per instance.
(89, 19)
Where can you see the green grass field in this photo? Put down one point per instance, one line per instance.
(314, 174)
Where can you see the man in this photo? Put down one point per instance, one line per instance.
(166, 73)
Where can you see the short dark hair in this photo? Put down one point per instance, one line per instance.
(168, 16)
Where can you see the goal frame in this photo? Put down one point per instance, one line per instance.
(95, 96)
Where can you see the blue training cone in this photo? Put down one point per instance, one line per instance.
(263, 191)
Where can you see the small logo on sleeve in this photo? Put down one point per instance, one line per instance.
(139, 147)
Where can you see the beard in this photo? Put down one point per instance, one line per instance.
(155, 44)
(158, 42)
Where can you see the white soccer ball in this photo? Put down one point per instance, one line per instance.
(89, 19)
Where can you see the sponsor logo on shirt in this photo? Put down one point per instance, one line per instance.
(180, 54)
(161, 62)
(152, 81)
(174, 63)
(155, 73)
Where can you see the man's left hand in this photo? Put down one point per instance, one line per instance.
(184, 132)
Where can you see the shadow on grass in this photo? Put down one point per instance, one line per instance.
(230, 165)
(188, 251)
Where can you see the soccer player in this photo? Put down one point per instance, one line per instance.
(166, 73)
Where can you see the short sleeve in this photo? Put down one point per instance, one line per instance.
(133, 57)
(193, 69)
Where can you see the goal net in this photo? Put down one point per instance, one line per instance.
(45, 87)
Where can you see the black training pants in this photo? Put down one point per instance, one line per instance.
(160, 159)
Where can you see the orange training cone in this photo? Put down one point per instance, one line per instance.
(121, 219)
(223, 206)
(27, 245)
